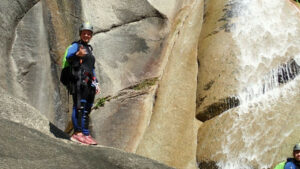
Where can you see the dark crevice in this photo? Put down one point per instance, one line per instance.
(144, 84)
(209, 85)
(231, 10)
(218, 108)
(207, 165)
(115, 26)
(288, 72)
(132, 91)
(22, 8)
(57, 132)
(283, 74)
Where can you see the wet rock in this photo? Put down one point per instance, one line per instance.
(218, 108)
(208, 165)
(259, 134)
(217, 68)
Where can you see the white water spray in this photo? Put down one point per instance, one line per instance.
(267, 34)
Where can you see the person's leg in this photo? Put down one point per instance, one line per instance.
(76, 119)
(75, 115)
(87, 110)
(85, 117)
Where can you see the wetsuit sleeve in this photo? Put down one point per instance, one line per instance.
(71, 52)
(94, 76)
(290, 165)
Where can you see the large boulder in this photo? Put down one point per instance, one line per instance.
(170, 137)
(259, 76)
(108, 14)
(258, 135)
(18, 111)
(218, 62)
(10, 15)
(239, 61)
(129, 54)
(32, 63)
(121, 120)
(32, 34)
(42, 151)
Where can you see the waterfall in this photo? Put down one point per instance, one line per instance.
(267, 34)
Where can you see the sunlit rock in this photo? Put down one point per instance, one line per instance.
(129, 53)
(170, 137)
(27, 148)
(107, 14)
(263, 127)
(217, 57)
(259, 134)
(120, 121)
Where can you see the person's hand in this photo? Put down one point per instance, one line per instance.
(98, 89)
(81, 51)
(96, 85)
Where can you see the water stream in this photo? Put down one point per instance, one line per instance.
(267, 34)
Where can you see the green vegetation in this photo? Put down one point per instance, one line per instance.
(101, 101)
(145, 83)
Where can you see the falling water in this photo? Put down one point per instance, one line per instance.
(267, 34)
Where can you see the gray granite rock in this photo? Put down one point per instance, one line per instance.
(25, 148)
(129, 53)
(11, 13)
(122, 120)
(106, 14)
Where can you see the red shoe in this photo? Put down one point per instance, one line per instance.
(78, 137)
(89, 140)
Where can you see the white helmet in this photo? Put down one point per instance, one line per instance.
(296, 147)
(86, 26)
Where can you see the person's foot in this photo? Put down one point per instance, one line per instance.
(89, 140)
(79, 137)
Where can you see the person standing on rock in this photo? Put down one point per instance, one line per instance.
(83, 84)
(291, 163)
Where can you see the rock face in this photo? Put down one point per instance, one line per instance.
(30, 54)
(173, 102)
(18, 111)
(119, 51)
(217, 68)
(11, 13)
(259, 80)
(133, 42)
(122, 122)
(42, 151)
(248, 136)
(164, 68)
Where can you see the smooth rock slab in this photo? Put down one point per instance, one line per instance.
(128, 54)
(26, 148)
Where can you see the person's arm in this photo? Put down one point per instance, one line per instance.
(290, 165)
(95, 82)
(71, 52)
(94, 76)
